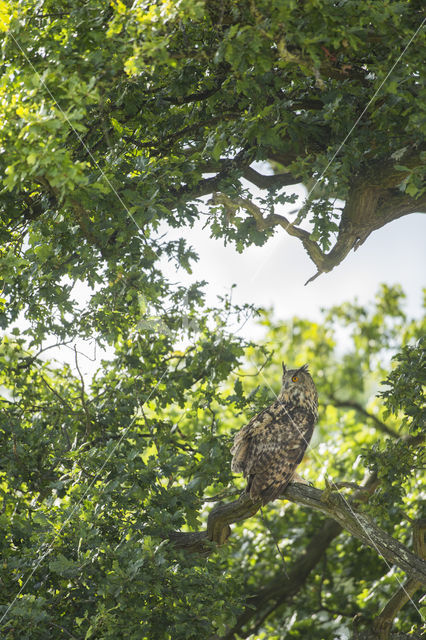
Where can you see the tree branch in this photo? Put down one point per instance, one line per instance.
(333, 505)
(381, 426)
(197, 96)
(275, 181)
(383, 623)
(210, 185)
(272, 220)
(369, 206)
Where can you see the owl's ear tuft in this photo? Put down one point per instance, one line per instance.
(305, 368)
(284, 368)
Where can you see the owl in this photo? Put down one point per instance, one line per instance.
(269, 448)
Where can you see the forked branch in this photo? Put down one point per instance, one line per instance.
(372, 201)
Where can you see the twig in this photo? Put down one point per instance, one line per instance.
(30, 359)
(82, 396)
(360, 409)
(60, 398)
(314, 277)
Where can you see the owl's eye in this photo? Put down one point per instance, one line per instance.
(295, 378)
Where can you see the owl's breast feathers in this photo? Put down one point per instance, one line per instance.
(269, 448)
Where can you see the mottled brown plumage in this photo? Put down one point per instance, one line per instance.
(269, 448)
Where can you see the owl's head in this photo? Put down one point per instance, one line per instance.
(298, 388)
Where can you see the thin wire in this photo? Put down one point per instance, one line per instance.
(365, 109)
(355, 515)
(357, 121)
(265, 522)
(141, 232)
(80, 139)
(307, 201)
(50, 548)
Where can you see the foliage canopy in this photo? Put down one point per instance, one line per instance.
(118, 118)
(120, 115)
(95, 476)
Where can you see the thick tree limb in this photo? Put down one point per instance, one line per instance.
(282, 588)
(372, 201)
(210, 185)
(272, 220)
(275, 181)
(383, 623)
(361, 526)
(331, 504)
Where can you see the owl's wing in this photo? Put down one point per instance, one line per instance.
(242, 449)
(274, 463)
(268, 450)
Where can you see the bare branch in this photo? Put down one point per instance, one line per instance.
(275, 181)
(83, 395)
(381, 426)
(58, 395)
(371, 203)
(272, 220)
(28, 360)
(314, 277)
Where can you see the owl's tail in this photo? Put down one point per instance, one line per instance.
(261, 488)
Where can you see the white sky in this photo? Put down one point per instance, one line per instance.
(274, 275)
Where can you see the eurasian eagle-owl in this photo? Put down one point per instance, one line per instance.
(269, 448)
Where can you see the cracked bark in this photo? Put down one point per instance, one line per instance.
(282, 588)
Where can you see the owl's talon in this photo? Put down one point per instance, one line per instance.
(296, 479)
